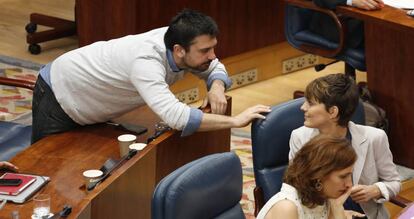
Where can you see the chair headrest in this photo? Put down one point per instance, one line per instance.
(205, 188)
(270, 137)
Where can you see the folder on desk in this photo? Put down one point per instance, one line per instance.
(26, 193)
(26, 180)
(403, 4)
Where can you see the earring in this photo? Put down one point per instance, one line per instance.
(318, 185)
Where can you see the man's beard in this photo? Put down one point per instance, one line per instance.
(199, 68)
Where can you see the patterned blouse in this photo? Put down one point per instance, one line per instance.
(288, 192)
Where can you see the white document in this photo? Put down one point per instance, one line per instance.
(404, 4)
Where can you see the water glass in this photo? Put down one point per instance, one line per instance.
(41, 205)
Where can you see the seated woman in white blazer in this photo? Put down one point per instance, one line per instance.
(330, 102)
(316, 183)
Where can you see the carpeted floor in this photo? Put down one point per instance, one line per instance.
(16, 103)
(241, 144)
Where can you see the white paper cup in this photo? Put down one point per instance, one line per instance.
(91, 176)
(124, 142)
(137, 146)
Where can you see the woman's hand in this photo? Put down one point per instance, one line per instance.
(337, 207)
(5, 164)
(339, 202)
(351, 214)
(364, 193)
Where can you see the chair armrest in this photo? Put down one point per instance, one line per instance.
(258, 200)
(340, 26)
(17, 83)
(400, 201)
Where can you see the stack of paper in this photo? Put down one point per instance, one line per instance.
(404, 4)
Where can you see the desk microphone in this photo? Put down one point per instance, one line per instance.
(157, 134)
(320, 67)
(128, 156)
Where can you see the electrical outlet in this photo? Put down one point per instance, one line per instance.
(299, 62)
(244, 78)
(188, 96)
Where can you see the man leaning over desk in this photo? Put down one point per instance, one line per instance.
(323, 25)
(106, 79)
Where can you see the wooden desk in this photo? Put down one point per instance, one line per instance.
(389, 47)
(244, 25)
(127, 193)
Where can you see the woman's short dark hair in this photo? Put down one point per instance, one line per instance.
(186, 26)
(335, 90)
(315, 160)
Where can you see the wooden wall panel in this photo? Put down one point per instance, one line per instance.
(244, 25)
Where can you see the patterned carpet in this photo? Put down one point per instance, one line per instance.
(241, 144)
(16, 103)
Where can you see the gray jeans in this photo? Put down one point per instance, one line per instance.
(48, 115)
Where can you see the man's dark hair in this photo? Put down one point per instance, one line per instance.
(187, 25)
(335, 90)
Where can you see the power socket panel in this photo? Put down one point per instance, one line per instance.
(188, 96)
(299, 62)
(244, 78)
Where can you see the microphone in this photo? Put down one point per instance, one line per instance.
(128, 156)
(320, 67)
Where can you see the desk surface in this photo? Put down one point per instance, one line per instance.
(389, 16)
(127, 192)
(63, 158)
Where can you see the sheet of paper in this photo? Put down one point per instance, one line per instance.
(405, 4)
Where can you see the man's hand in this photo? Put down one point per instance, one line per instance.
(5, 164)
(211, 121)
(364, 193)
(368, 4)
(245, 117)
(216, 98)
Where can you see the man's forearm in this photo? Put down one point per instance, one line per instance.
(214, 122)
(218, 84)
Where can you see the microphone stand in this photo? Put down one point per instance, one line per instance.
(128, 156)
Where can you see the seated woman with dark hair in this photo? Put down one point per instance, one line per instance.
(316, 183)
(330, 103)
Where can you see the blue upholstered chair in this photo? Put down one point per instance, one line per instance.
(210, 187)
(14, 137)
(297, 22)
(270, 144)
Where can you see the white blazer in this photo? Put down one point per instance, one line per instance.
(374, 164)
